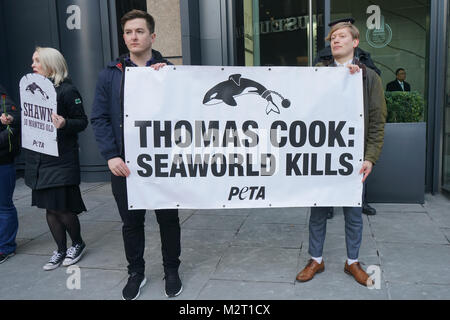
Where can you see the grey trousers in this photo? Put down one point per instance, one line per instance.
(318, 230)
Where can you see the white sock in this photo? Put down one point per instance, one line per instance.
(350, 261)
(318, 260)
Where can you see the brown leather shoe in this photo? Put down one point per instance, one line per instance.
(310, 270)
(358, 273)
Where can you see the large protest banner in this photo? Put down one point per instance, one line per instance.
(232, 137)
(38, 102)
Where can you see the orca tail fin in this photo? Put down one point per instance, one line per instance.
(272, 107)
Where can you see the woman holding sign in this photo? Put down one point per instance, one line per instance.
(55, 180)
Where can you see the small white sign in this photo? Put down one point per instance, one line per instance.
(38, 102)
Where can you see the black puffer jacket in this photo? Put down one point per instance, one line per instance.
(9, 141)
(44, 171)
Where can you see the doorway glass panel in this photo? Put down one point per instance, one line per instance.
(396, 34)
(276, 33)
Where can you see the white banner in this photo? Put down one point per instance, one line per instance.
(235, 137)
(38, 101)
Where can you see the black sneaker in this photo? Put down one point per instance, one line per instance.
(74, 254)
(133, 288)
(173, 284)
(55, 261)
(368, 210)
(5, 256)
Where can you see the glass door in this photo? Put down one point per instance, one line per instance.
(276, 33)
(396, 34)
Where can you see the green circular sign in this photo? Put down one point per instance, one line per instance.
(379, 38)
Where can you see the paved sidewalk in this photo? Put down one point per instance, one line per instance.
(238, 254)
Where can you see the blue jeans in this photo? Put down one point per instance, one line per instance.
(9, 222)
(318, 230)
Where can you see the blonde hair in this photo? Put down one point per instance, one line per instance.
(353, 30)
(53, 64)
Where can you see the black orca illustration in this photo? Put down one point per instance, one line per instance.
(235, 85)
(33, 87)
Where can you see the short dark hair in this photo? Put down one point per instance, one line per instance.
(139, 14)
(398, 70)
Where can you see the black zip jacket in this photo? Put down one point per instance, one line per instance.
(9, 141)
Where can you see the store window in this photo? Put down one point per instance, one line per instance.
(275, 33)
(396, 34)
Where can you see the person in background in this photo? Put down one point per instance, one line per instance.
(9, 149)
(399, 84)
(55, 180)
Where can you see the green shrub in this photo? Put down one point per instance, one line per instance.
(405, 106)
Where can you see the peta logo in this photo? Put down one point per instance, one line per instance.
(38, 144)
(235, 86)
(247, 193)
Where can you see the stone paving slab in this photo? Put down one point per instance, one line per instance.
(415, 263)
(269, 235)
(408, 228)
(401, 291)
(193, 283)
(33, 225)
(258, 264)
(214, 222)
(446, 232)
(238, 254)
(37, 284)
(106, 212)
(247, 290)
(279, 215)
(106, 253)
(200, 238)
(204, 261)
(90, 232)
(226, 212)
(440, 216)
(397, 208)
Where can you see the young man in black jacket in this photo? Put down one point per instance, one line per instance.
(107, 122)
(9, 148)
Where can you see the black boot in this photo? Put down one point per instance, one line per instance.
(368, 210)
